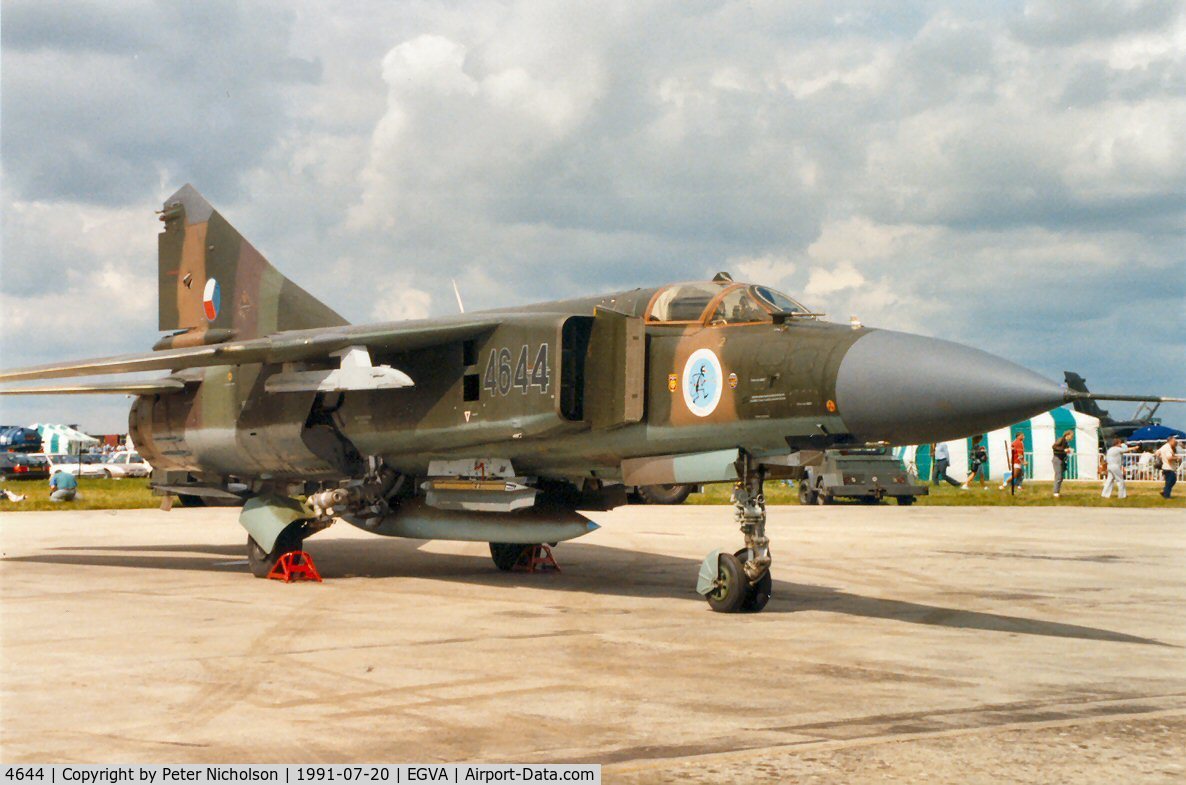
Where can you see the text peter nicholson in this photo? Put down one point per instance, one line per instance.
(300, 775)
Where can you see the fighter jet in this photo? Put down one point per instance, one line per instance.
(498, 426)
(1110, 427)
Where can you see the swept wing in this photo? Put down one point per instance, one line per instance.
(291, 346)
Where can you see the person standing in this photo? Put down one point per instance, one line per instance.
(1062, 452)
(1146, 462)
(1168, 454)
(1016, 464)
(942, 455)
(977, 463)
(1114, 461)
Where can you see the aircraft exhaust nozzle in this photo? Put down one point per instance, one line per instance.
(908, 389)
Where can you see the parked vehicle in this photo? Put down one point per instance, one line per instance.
(20, 466)
(15, 438)
(126, 464)
(85, 465)
(662, 494)
(866, 473)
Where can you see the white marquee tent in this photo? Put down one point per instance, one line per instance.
(1040, 434)
(62, 439)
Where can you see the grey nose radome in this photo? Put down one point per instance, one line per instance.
(907, 389)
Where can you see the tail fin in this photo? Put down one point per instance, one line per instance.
(1083, 405)
(216, 286)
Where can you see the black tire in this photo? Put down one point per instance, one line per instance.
(262, 563)
(257, 560)
(806, 495)
(664, 494)
(870, 500)
(905, 501)
(506, 554)
(731, 594)
(190, 500)
(759, 593)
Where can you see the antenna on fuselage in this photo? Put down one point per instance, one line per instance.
(457, 292)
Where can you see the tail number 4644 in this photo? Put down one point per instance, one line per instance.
(501, 377)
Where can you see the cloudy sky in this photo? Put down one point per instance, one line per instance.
(1009, 175)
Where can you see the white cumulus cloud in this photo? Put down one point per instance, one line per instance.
(1005, 175)
(396, 302)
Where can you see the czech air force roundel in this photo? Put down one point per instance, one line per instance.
(211, 299)
(702, 382)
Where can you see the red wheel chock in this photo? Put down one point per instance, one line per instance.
(295, 566)
(536, 558)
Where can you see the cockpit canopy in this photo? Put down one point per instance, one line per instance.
(720, 303)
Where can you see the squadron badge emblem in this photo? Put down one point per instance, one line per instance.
(702, 382)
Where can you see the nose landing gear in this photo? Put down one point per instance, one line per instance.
(740, 582)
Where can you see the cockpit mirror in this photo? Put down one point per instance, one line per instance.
(782, 317)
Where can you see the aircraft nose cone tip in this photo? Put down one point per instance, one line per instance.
(908, 389)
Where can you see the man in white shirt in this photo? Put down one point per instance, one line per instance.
(942, 461)
(1114, 460)
(1168, 453)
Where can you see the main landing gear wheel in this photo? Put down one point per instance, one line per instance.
(262, 563)
(806, 495)
(506, 554)
(905, 501)
(741, 581)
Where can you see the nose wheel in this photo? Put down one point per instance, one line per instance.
(740, 582)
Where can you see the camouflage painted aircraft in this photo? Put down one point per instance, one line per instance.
(498, 426)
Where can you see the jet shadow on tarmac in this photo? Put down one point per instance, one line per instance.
(586, 569)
